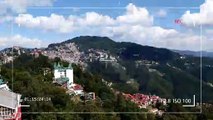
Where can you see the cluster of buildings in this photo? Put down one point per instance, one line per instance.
(147, 63)
(5, 59)
(36, 52)
(63, 76)
(68, 52)
(10, 103)
(9, 54)
(100, 55)
(143, 101)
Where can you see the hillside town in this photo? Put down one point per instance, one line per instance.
(67, 52)
(145, 101)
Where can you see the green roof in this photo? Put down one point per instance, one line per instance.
(1, 81)
(62, 80)
(59, 66)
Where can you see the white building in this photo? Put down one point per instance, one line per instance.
(10, 107)
(78, 89)
(10, 103)
(63, 75)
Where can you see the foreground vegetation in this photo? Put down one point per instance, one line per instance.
(29, 80)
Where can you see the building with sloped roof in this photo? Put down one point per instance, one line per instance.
(10, 107)
(63, 75)
(78, 89)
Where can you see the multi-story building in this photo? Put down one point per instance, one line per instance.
(10, 107)
(63, 75)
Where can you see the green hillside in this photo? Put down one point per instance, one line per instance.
(172, 76)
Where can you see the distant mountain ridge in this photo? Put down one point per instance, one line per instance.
(124, 49)
(195, 53)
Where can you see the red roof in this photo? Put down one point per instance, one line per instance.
(141, 98)
(78, 87)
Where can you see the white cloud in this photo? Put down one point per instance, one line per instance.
(135, 25)
(59, 23)
(205, 16)
(18, 40)
(20, 6)
(95, 19)
(136, 15)
(133, 16)
(54, 22)
(158, 37)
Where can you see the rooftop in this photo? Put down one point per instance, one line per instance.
(78, 87)
(9, 99)
(61, 67)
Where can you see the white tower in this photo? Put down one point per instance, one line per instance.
(64, 73)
